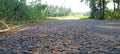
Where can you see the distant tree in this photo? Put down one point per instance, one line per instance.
(58, 11)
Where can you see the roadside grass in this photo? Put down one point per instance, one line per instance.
(16, 25)
(113, 19)
(82, 17)
(63, 17)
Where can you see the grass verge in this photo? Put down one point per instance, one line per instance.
(16, 25)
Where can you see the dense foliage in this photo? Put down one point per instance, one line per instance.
(100, 11)
(116, 9)
(20, 10)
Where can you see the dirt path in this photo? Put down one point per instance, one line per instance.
(64, 37)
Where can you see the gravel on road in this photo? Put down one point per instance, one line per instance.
(64, 37)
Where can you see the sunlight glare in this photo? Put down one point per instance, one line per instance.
(75, 5)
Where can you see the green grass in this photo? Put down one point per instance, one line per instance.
(62, 17)
(13, 25)
(82, 17)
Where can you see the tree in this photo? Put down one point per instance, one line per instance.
(18, 10)
(58, 11)
(118, 3)
(97, 8)
(102, 8)
(116, 9)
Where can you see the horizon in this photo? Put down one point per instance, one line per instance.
(76, 6)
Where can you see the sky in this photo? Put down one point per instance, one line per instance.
(75, 5)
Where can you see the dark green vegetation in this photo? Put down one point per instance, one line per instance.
(100, 11)
(19, 12)
(58, 37)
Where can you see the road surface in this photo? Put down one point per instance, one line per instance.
(64, 37)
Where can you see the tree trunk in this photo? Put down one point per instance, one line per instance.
(100, 10)
(102, 7)
(118, 5)
(114, 7)
(114, 10)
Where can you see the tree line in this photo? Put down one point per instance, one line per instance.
(100, 11)
(54, 11)
(19, 10)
